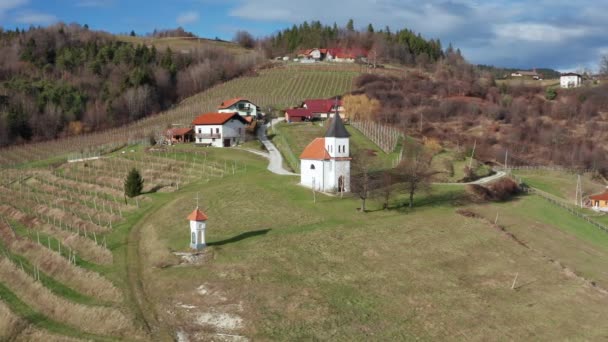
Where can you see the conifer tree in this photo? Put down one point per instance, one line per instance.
(134, 183)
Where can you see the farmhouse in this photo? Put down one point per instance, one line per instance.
(325, 162)
(219, 129)
(323, 108)
(242, 106)
(599, 202)
(313, 54)
(346, 55)
(315, 109)
(179, 135)
(528, 74)
(570, 80)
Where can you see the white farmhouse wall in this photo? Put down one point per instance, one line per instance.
(214, 135)
(570, 81)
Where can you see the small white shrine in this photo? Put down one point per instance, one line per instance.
(198, 223)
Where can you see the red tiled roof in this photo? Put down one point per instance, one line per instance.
(348, 53)
(215, 118)
(600, 197)
(197, 215)
(299, 112)
(229, 103)
(179, 131)
(315, 150)
(321, 105)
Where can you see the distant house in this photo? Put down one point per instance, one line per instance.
(570, 80)
(219, 129)
(599, 202)
(528, 74)
(298, 115)
(240, 105)
(313, 54)
(323, 108)
(346, 55)
(180, 135)
(314, 109)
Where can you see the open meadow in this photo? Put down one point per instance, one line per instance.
(79, 261)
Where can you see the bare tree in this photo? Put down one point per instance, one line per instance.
(416, 173)
(604, 65)
(244, 39)
(363, 180)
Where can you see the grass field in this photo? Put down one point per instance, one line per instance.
(78, 261)
(292, 138)
(529, 82)
(283, 268)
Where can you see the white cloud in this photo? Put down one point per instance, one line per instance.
(7, 5)
(535, 32)
(522, 33)
(188, 18)
(35, 18)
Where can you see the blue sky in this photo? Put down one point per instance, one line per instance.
(566, 35)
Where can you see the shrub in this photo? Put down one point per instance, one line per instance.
(551, 94)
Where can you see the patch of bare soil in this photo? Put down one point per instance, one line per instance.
(210, 316)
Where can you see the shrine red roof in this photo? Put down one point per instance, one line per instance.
(197, 215)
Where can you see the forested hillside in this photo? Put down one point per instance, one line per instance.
(456, 103)
(402, 46)
(67, 79)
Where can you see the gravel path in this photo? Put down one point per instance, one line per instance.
(273, 155)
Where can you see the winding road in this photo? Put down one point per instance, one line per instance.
(273, 155)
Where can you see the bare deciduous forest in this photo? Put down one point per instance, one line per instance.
(458, 104)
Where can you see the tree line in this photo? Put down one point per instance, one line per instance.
(403, 46)
(66, 79)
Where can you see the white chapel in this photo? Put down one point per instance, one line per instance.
(325, 162)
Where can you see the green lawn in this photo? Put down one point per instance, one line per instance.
(292, 138)
(292, 269)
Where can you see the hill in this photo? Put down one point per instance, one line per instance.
(67, 80)
(275, 88)
(280, 266)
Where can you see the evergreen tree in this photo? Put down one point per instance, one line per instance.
(134, 183)
(132, 33)
(370, 28)
(350, 26)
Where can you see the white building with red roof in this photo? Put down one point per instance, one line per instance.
(325, 162)
(240, 105)
(219, 129)
(198, 224)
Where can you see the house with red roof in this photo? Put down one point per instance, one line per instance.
(313, 109)
(599, 202)
(325, 162)
(219, 129)
(240, 105)
(348, 55)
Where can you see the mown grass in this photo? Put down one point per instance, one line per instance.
(292, 138)
(305, 270)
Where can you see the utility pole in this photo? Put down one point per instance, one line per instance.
(506, 160)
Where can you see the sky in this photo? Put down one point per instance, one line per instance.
(567, 35)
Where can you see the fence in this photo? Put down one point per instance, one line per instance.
(567, 206)
(385, 136)
(550, 168)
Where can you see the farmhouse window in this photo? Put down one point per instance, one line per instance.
(217, 130)
(312, 166)
(200, 131)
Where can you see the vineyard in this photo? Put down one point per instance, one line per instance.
(60, 228)
(277, 87)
